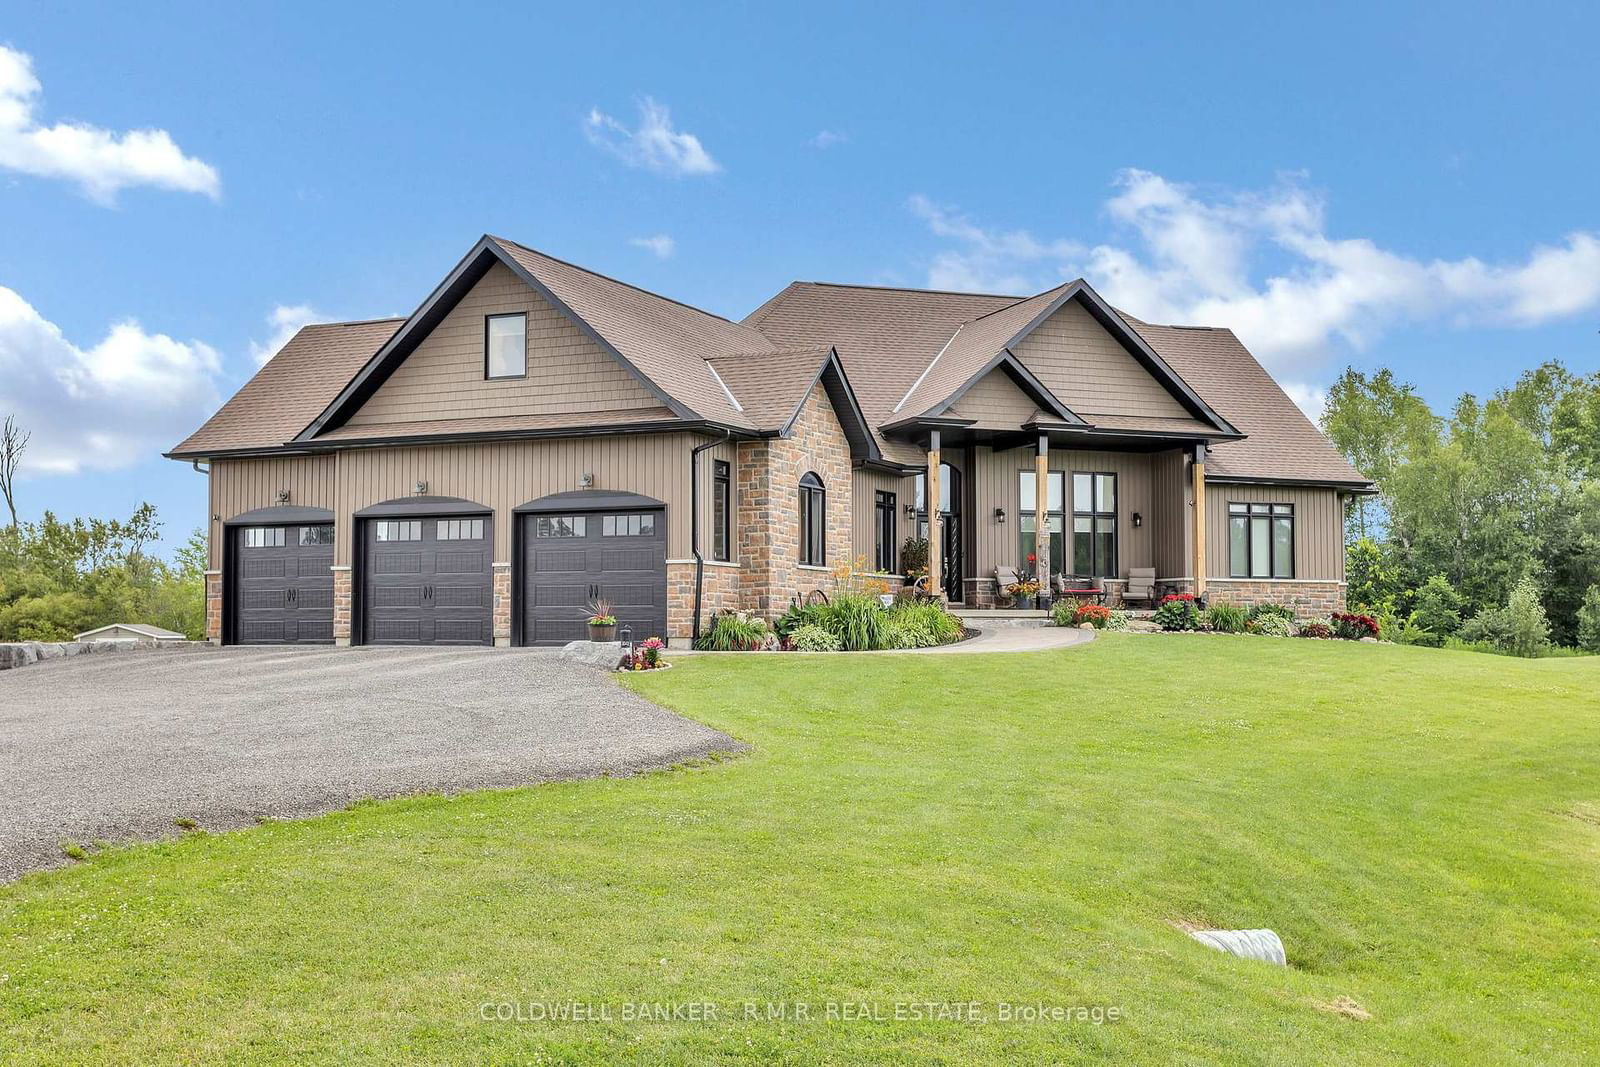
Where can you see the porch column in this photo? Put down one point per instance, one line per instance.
(930, 497)
(1199, 520)
(1041, 513)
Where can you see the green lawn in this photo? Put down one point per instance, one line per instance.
(1421, 827)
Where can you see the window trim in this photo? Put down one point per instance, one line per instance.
(885, 504)
(1094, 516)
(1057, 566)
(722, 489)
(1271, 514)
(523, 315)
(813, 501)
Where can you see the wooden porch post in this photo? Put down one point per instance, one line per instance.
(930, 497)
(1199, 520)
(1041, 514)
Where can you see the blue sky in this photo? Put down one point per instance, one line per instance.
(1410, 187)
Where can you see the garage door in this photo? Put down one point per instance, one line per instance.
(283, 585)
(571, 559)
(428, 581)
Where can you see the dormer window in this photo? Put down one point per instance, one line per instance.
(505, 346)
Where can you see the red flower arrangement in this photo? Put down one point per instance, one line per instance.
(1353, 627)
(1177, 596)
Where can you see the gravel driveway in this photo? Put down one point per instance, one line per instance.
(116, 747)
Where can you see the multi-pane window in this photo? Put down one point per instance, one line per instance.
(561, 526)
(1261, 540)
(813, 521)
(628, 526)
(721, 510)
(1055, 519)
(316, 535)
(397, 530)
(505, 346)
(460, 530)
(263, 537)
(883, 514)
(1094, 524)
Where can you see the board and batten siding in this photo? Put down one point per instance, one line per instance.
(236, 486)
(997, 485)
(1172, 514)
(1078, 361)
(1318, 527)
(499, 475)
(444, 377)
(865, 484)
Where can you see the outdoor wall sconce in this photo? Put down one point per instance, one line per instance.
(911, 509)
(1138, 520)
(283, 496)
(1000, 515)
(420, 488)
(587, 481)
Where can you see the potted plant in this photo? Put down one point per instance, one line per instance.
(602, 624)
(1023, 592)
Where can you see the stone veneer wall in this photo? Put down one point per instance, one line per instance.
(722, 591)
(341, 605)
(768, 484)
(1308, 599)
(214, 606)
(502, 604)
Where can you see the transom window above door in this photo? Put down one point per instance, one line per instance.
(561, 526)
(505, 346)
(460, 530)
(263, 537)
(402, 530)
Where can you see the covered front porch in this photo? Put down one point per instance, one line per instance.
(1113, 506)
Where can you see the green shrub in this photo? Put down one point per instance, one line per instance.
(1264, 609)
(1589, 620)
(809, 637)
(1520, 628)
(1225, 618)
(1316, 629)
(797, 616)
(734, 631)
(1437, 611)
(1270, 625)
(1178, 612)
(1412, 634)
(921, 625)
(1061, 612)
(857, 620)
(1117, 621)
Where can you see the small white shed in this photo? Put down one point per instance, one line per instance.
(136, 631)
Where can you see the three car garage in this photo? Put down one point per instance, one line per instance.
(423, 571)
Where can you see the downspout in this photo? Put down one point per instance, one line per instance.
(694, 523)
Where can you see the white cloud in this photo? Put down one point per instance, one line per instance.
(653, 144)
(660, 245)
(828, 138)
(1263, 264)
(1311, 399)
(100, 161)
(285, 321)
(988, 260)
(106, 407)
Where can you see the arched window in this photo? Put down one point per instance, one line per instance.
(813, 521)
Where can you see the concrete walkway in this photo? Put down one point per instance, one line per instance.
(1011, 637)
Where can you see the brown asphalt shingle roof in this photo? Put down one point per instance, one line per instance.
(292, 388)
(1281, 441)
(887, 339)
(507, 424)
(770, 385)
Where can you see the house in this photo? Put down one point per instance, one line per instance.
(131, 631)
(536, 436)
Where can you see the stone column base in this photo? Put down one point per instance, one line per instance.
(502, 605)
(341, 605)
(214, 607)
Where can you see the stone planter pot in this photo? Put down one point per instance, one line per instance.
(602, 633)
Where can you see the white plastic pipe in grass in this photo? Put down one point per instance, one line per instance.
(1261, 945)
